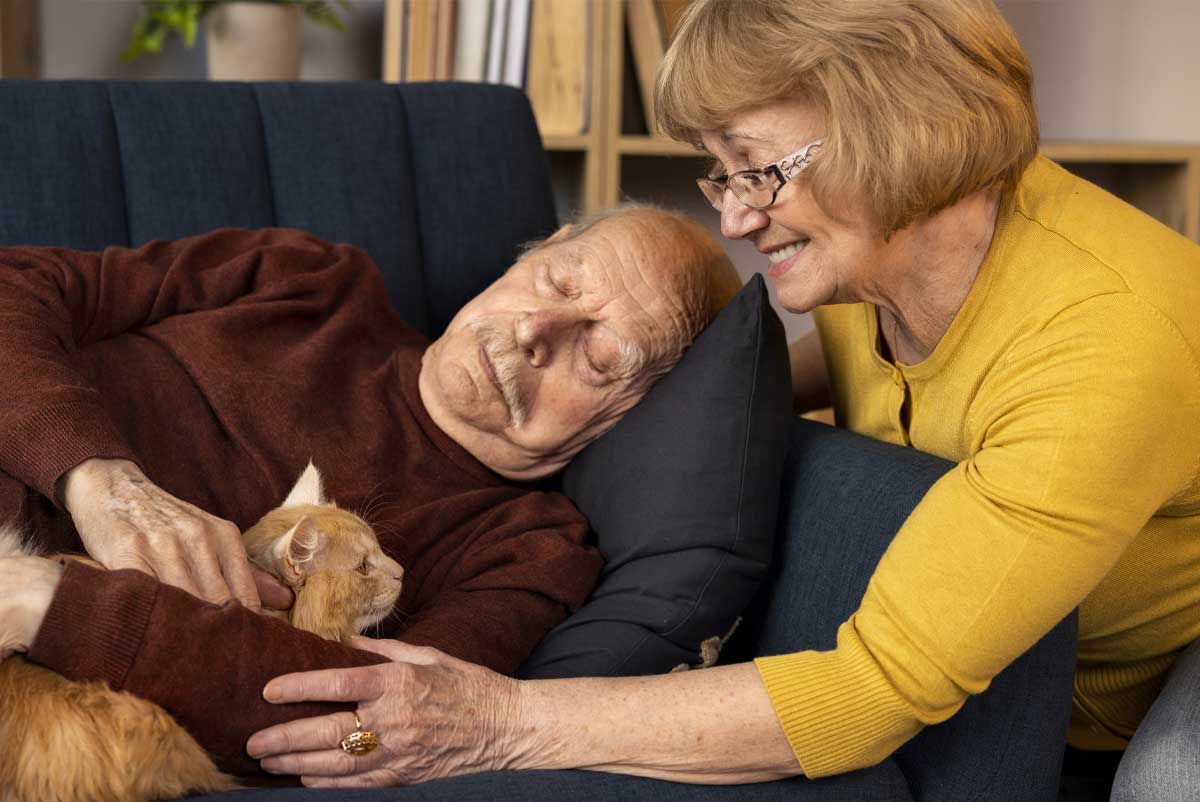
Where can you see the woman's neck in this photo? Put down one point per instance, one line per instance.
(920, 292)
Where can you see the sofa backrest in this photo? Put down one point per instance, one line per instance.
(438, 182)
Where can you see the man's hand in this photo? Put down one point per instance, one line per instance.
(435, 717)
(26, 586)
(127, 521)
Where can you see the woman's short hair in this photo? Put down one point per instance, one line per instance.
(924, 102)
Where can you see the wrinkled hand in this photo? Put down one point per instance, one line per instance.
(435, 717)
(127, 521)
(26, 587)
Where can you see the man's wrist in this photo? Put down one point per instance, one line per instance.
(79, 482)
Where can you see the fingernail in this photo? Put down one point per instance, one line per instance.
(272, 693)
(269, 764)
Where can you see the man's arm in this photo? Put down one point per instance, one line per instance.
(205, 664)
(55, 433)
(514, 577)
(54, 301)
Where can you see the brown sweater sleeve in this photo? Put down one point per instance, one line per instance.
(54, 301)
(206, 665)
(511, 581)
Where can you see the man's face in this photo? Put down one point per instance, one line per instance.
(550, 356)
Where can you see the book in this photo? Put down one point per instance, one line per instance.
(516, 46)
(559, 65)
(421, 32)
(443, 51)
(648, 43)
(393, 40)
(496, 40)
(471, 39)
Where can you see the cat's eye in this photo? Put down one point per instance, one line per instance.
(363, 567)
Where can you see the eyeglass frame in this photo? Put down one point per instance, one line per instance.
(783, 171)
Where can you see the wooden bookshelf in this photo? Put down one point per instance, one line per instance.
(1162, 180)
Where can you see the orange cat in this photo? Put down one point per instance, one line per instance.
(65, 741)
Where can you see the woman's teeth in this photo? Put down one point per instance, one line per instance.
(783, 253)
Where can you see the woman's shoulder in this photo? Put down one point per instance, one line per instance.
(1069, 242)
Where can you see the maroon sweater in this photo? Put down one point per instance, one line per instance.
(221, 364)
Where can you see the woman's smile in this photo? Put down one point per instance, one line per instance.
(783, 259)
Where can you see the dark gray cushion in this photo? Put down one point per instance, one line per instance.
(682, 495)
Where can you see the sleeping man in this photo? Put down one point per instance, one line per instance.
(156, 401)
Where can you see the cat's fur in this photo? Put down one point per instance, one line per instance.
(65, 741)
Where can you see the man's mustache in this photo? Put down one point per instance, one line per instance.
(505, 356)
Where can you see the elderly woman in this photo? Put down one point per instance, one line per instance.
(974, 301)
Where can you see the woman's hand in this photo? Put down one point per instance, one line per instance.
(435, 717)
(27, 585)
(127, 521)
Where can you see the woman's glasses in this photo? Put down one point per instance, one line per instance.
(757, 188)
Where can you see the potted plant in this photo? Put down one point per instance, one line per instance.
(247, 41)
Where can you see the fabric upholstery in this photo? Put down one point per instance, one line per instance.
(389, 168)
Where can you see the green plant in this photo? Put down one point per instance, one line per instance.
(161, 18)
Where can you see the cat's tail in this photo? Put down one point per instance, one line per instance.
(13, 543)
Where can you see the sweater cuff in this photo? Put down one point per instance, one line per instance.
(95, 624)
(52, 441)
(837, 708)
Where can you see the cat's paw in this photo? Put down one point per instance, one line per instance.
(27, 585)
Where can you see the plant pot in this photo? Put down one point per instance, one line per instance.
(253, 42)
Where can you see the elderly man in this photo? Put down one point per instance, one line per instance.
(167, 396)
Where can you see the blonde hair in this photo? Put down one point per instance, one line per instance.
(924, 101)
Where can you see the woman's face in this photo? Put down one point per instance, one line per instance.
(813, 258)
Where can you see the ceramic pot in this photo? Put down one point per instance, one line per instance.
(253, 42)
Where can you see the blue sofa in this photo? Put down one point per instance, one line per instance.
(440, 183)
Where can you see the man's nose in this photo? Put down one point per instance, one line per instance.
(539, 333)
(738, 220)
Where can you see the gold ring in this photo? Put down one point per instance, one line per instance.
(359, 742)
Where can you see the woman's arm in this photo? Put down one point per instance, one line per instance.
(810, 380)
(438, 717)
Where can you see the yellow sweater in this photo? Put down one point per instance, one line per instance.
(1067, 390)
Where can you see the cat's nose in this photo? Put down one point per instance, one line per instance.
(394, 570)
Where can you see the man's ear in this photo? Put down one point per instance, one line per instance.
(307, 490)
(296, 549)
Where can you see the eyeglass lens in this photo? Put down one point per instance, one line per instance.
(752, 189)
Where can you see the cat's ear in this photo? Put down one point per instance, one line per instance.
(297, 547)
(307, 490)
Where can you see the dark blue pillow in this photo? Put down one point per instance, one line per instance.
(682, 495)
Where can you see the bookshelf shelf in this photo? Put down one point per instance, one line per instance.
(566, 142)
(640, 145)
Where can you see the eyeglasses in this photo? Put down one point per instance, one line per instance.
(758, 188)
